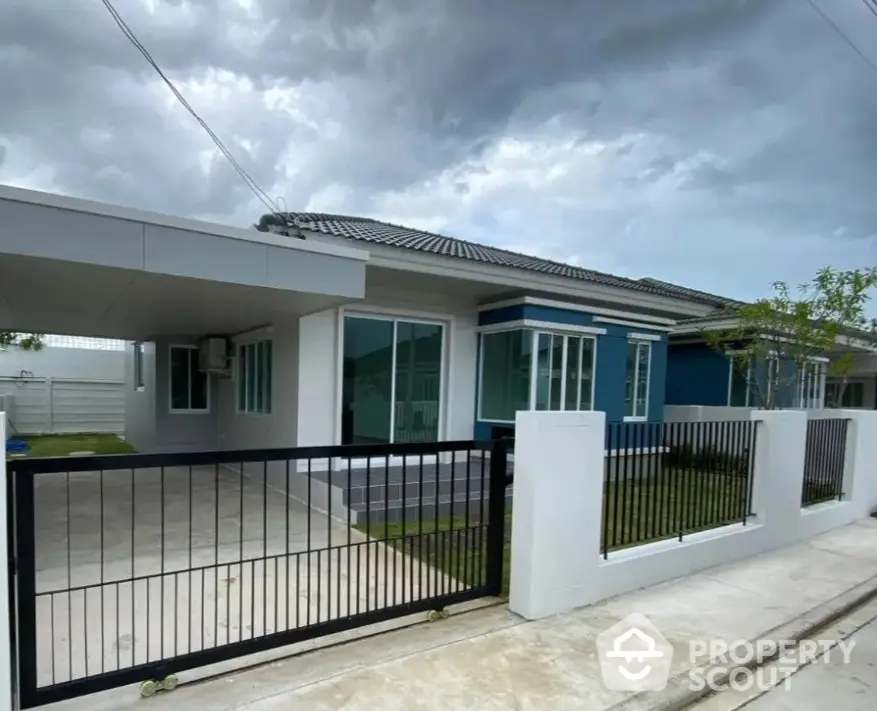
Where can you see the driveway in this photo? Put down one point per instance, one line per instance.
(136, 567)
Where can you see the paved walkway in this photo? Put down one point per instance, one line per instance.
(490, 659)
(844, 677)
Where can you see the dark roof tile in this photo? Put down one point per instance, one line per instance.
(369, 230)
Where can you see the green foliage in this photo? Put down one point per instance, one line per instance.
(25, 341)
(819, 319)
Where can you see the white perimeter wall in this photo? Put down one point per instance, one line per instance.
(319, 362)
(63, 390)
(556, 564)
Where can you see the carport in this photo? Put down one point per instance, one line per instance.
(76, 267)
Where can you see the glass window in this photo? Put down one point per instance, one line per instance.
(638, 362)
(505, 374)
(572, 373)
(255, 377)
(811, 385)
(564, 372)
(741, 375)
(853, 395)
(418, 375)
(189, 385)
(139, 380)
(543, 371)
(586, 379)
(367, 388)
(391, 389)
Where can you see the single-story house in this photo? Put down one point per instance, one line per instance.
(699, 374)
(448, 341)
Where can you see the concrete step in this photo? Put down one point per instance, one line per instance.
(379, 493)
(415, 508)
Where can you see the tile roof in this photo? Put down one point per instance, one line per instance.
(719, 302)
(369, 230)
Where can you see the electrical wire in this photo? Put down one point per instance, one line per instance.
(871, 5)
(250, 182)
(842, 34)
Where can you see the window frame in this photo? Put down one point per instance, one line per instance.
(170, 382)
(139, 375)
(241, 373)
(645, 416)
(533, 334)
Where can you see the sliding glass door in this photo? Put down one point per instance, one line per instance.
(392, 380)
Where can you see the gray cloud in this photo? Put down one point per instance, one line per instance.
(702, 141)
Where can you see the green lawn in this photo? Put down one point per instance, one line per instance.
(62, 445)
(637, 512)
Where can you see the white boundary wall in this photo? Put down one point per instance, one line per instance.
(556, 564)
(63, 390)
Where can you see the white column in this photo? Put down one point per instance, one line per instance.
(556, 516)
(6, 699)
(778, 476)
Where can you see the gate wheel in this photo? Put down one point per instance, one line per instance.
(148, 688)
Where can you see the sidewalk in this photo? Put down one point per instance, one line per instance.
(490, 659)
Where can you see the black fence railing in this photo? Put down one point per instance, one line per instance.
(666, 480)
(824, 461)
(131, 568)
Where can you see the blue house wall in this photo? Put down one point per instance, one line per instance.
(610, 371)
(697, 375)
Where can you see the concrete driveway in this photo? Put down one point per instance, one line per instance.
(136, 568)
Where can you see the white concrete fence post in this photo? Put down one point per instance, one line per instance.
(6, 671)
(778, 476)
(559, 472)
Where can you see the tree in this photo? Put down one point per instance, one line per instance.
(25, 341)
(790, 328)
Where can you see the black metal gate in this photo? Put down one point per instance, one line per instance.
(131, 568)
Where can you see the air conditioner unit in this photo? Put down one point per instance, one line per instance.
(213, 355)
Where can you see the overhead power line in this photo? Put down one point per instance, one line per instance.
(871, 6)
(251, 183)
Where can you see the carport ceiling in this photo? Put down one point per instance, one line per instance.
(48, 296)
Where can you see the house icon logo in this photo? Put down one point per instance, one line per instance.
(634, 655)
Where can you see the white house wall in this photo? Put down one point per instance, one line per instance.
(319, 373)
(239, 430)
(140, 402)
(181, 432)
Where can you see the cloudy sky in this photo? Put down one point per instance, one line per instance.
(721, 144)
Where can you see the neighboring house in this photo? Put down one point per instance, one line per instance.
(67, 386)
(698, 374)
